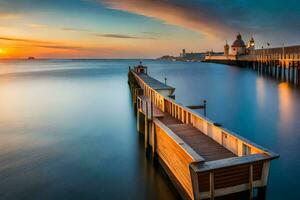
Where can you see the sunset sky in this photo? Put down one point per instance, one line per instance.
(140, 28)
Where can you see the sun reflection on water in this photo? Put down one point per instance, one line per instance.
(285, 104)
(260, 91)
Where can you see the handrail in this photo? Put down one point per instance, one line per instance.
(228, 162)
(250, 144)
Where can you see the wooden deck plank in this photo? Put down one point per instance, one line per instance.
(153, 83)
(205, 146)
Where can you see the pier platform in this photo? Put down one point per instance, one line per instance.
(282, 63)
(203, 160)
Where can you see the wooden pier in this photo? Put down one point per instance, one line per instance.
(203, 160)
(281, 63)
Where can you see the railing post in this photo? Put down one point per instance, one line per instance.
(153, 138)
(195, 183)
(146, 126)
(251, 182)
(211, 186)
(138, 116)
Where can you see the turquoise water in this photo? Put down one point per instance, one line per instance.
(67, 127)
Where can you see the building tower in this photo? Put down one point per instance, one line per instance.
(183, 53)
(226, 49)
(251, 44)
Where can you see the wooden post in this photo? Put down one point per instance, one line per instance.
(146, 126)
(195, 183)
(265, 172)
(276, 67)
(261, 193)
(153, 137)
(289, 71)
(298, 73)
(280, 71)
(204, 105)
(211, 186)
(251, 182)
(293, 72)
(276, 70)
(284, 71)
(151, 113)
(187, 118)
(138, 118)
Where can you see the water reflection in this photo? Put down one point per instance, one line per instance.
(261, 93)
(59, 139)
(286, 103)
(70, 133)
(257, 108)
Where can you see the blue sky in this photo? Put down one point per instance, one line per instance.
(141, 28)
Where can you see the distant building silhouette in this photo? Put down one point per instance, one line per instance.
(226, 49)
(238, 47)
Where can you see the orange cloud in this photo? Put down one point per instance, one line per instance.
(23, 40)
(22, 47)
(200, 19)
(8, 15)
(121, 36)
(37, 25)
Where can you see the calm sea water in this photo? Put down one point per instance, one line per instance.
(67, 128)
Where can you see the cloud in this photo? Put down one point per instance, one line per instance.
(64, 47)
(120, 36)
(203, 18)
(23, 40)
(75, 29)
(41, 44)
(4, 15)
(221, 18)
(37, 26)
(150, 33)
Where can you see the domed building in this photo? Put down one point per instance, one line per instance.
(238, 47)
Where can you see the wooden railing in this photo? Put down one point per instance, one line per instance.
(233, 142)
(271, 56)
(200, 179)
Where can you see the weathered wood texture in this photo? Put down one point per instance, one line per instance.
(223, 177)
(175, 156)
(201, 143)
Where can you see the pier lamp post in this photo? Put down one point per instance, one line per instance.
(204, 107)
(263, 53)
(283, 50)
(268, 44)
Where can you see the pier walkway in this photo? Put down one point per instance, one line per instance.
(201, 143)
(203, 160)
